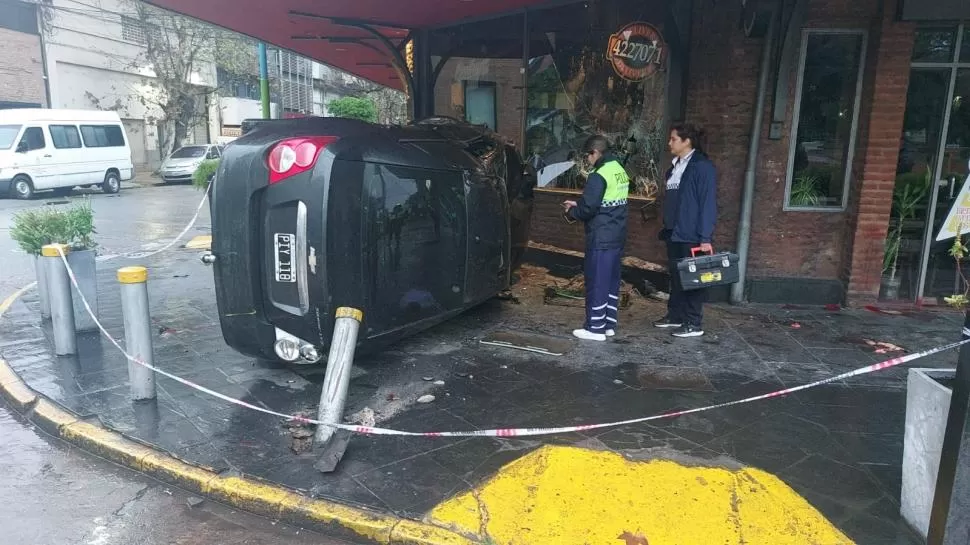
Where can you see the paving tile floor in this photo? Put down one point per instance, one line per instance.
(839, 445)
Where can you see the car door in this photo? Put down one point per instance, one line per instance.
(70, 167)
(35, 158)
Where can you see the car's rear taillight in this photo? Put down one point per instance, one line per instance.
(295, 155)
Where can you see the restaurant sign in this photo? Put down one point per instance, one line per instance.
(637, 51)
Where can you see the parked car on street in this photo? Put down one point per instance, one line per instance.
(412, 225)
(42, 149)
(183, 162)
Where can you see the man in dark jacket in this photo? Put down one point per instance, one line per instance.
(603, 210)
(689, 215)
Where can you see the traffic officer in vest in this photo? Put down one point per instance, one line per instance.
(602, 209)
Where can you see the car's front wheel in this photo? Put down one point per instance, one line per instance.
(21, 187)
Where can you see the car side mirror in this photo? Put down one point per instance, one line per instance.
(22, 147)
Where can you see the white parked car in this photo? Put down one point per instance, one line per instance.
(183, 162)
(44, 149)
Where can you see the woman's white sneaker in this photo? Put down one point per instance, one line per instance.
(588, 335)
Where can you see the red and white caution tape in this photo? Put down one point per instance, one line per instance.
(173, 242)
(513, 432)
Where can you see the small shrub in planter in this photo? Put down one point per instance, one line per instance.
(74, 226)
(35, 228)
(205, 173)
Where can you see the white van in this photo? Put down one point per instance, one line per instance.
(59, 149)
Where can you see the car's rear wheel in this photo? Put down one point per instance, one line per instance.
(21, 187)
(111, 184)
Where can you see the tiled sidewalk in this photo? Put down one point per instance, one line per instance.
(840, 446)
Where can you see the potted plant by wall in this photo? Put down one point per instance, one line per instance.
(74, 226)
(909, 193)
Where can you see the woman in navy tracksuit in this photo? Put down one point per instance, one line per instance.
(689, 215)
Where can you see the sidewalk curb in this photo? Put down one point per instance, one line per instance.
(249, 494)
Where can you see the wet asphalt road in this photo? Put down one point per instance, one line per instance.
(53, 494)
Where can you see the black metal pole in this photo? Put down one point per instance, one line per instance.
(950, 516)
(423, 74)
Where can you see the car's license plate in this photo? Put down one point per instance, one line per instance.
(285, 271)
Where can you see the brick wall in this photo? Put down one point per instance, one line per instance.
(21, 68)
(721, 95)
(891, 49)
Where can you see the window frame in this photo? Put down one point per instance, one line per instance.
(77, 131)
(796, 114)
(493, 85)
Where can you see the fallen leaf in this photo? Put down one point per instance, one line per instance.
(632, 539)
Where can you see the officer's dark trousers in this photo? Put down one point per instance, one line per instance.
(602, 277)
(685, 307)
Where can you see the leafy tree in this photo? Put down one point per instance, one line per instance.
(354, 108)
(176, 48)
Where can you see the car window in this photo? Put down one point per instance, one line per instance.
(8, 134)
(33, 139)
(189, 152)
(65, 136)
(102, 136)
(213, 153)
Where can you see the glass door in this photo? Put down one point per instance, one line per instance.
(931, 169)
(942, 277)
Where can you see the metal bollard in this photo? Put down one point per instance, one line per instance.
(40, 270)
(61, 300)
(333, 397)
(138, 330)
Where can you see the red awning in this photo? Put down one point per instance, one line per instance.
(308, 27)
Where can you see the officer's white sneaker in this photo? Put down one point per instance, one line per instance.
(610, 332)
(588, 335)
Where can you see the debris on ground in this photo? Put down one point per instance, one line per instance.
(194, 501)
(572, 292)
(391, 397)
(796, 325)
(426, 398)
(833, 307)
(660, 296)
(364, 417)
(301, 440)
(427, 379)
(301, 436)
(439, 383)
(877, 347)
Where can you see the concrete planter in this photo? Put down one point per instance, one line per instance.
(927, 406)
(85, 269)
(41, 273)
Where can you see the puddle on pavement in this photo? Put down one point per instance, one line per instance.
(664, 377)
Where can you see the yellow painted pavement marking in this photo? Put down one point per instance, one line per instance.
(6, 304)
(576, 496)
(201, 242)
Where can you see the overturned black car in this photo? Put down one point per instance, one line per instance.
(412, 225)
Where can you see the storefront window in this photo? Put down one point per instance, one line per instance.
(597, 67)
(934, 44)
(479, 74)
(825, 121)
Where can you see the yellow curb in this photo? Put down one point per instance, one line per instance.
(201, 242)
(418, 533)
(338, 518)
(105, 443)
(49, 417)
(14, 390)
(241, 492)
(173, 471)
